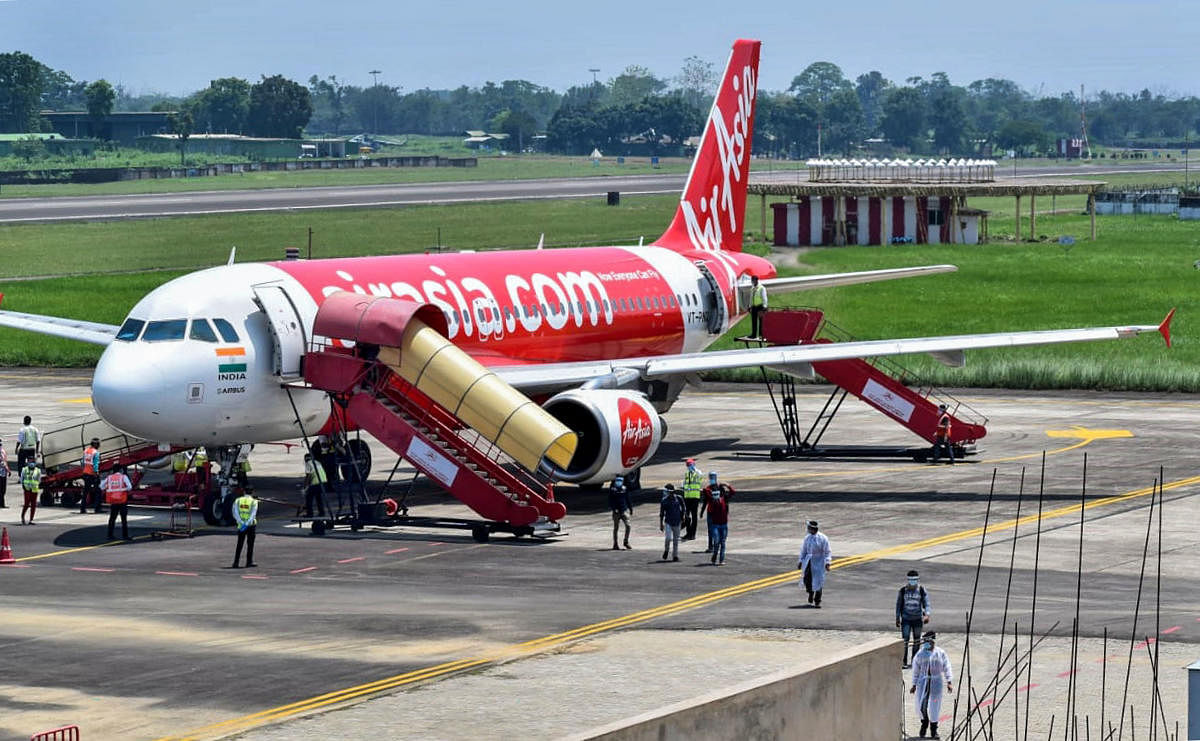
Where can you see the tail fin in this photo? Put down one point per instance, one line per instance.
(711, 211)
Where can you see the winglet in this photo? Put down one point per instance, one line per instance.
(1164, 329)
(1, 298)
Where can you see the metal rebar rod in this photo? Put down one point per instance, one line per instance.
(1012, 651)
(1103, 678)
(966, 662)
(1155, 700)
(1037, 549)
(1133, 632)
(1016, 680)
(1073, 684)
(1012, 558)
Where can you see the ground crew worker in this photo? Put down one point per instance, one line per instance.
(31, 482)
(116, 488)
(200, 464)
(670, 519)
(716, 502)
(3, 474)
(942, 441)
(712, 491)
(29, 442)
(245, 511)
(912, 612)
(693, 486)
(91, 476)
(621, 506)
(815, 558)
(758, 305)
(241, 466)
(315, 481)
(931, 666)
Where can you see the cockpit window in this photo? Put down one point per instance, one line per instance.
(130, 330)
(202, 330)
(227, 331)
(166, 330)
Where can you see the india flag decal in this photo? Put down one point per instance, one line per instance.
(231, 360)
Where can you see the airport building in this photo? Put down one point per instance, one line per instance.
(878, 202)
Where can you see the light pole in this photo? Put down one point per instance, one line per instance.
(375, 102)
(592, 93)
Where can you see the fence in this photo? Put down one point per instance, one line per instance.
(114, 174)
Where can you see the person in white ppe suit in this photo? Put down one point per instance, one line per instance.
(931, 671)
(815, 557)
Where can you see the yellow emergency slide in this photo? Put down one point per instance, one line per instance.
(477, 396)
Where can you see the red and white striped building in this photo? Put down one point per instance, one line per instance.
(884, 202)
(833, 220)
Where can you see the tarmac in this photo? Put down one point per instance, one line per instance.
(427, 634)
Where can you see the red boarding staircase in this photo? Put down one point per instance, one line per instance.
(880, 382)
(433, 440)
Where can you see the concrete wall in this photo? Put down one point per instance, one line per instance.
(854, 694)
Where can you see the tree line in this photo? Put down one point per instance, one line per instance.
(821, 110)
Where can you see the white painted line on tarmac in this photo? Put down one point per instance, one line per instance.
(304, 570)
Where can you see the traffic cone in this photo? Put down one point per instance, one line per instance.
(6, 555)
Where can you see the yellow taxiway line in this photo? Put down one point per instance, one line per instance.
(546, 642)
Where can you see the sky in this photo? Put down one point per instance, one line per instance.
(169, 46)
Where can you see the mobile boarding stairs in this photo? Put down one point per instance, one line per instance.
(880, 382)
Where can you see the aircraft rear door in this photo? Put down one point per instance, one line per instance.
(287, 329)
(715, 312)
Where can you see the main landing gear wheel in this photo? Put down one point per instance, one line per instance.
(217, 512)
(361, 453)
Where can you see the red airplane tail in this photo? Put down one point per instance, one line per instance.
(711, 211)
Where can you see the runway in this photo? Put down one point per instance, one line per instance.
(160, 205)
(415, 630)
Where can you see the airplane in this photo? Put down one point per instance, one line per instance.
(605, 337)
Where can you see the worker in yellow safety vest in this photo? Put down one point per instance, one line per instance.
(31, 482)
(758, 304)
(693, 485)
(942, 440)
(315, 481)
(91, 476)
(245, 512)
(116, 488)
(29, 442)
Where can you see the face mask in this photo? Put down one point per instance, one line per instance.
(928, 645)
(912, 582)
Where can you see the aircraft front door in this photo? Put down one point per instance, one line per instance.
(287, 329)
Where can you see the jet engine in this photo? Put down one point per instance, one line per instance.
(618, 431)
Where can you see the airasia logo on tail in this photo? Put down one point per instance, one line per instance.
(711, 211)
(637, 431)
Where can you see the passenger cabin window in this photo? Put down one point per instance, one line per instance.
(228, 333)
(165, 331)
(130, 330)
(202, 330)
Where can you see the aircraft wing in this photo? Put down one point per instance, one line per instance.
(547, 377)
(803, 282)
(72, 329)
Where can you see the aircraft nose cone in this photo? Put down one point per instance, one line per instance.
(125, 391)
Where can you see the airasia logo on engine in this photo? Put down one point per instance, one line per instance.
(636, 431)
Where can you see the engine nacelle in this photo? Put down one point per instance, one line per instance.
(618, 431)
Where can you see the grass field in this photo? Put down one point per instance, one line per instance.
(1140, 268)
(524, 167)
